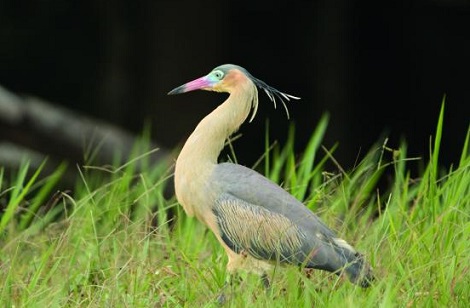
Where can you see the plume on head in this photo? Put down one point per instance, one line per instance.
(271, 92)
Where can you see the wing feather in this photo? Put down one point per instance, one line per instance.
(261, 233)
(251, 187)
(257, 216)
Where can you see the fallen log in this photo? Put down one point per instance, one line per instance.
(33, 129)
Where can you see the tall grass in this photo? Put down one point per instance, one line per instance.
(114, 240)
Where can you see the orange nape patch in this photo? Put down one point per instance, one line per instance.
(233, 79)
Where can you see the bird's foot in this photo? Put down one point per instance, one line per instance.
(221, 299)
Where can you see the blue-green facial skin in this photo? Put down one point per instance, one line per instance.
(215, 77)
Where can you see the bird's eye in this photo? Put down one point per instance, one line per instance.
(218, 74)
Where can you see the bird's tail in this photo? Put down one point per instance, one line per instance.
(359, 271)
(355, 265)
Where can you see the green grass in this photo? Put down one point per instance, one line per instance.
(113, 240)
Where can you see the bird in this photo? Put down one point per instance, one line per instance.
(258, 223)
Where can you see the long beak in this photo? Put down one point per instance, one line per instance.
(198, 84)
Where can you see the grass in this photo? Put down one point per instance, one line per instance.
(114, 240)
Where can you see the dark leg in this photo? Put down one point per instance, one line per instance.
(232, 279)
(265, 280)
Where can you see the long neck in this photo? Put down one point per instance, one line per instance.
(200, 152)
(208, 139)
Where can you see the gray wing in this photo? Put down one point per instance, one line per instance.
(267, 235)
(257, 216)
(251, 187)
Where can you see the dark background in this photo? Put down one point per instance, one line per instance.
(377, 69)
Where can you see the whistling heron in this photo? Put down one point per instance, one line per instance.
(258, 223)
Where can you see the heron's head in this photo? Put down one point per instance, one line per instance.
(223, 78)
(230, 77)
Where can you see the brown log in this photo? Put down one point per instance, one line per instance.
(39, 129)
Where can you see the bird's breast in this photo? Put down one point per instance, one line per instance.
(192, 187)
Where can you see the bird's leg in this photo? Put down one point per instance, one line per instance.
(266, 284)
(265, 280)
(308, 272)
(231, 280)
(236, 261)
